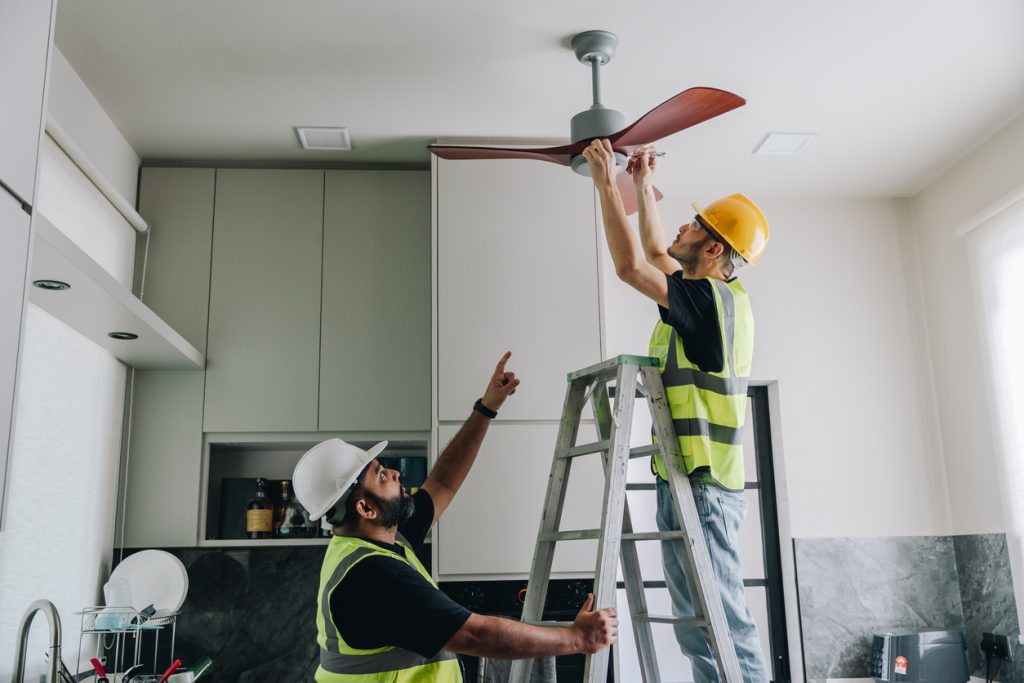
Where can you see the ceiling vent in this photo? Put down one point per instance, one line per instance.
(781, 144)
(313, 137)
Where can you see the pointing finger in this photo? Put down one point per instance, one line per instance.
(499, 369)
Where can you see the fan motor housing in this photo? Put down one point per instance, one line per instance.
(594, 123)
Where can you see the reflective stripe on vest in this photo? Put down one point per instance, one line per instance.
(708, 409)
(340, 662)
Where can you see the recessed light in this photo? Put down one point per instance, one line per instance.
(52, 285)
(778, 144)
(312, 137)
(123, 336)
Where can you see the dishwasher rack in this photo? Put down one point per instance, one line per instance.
(122, 630)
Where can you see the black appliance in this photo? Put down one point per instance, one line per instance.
(927, 656)
(505, 599)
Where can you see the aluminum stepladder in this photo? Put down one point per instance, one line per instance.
(631, 374)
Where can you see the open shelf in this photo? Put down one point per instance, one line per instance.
(232, 467)
(97, 304)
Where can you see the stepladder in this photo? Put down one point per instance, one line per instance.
(632, 377)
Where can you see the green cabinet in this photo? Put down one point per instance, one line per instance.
(263, 350)
(375, 335)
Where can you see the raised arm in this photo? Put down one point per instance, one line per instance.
(641, 167)
(500, 638)
(457, 458)
(630, 265)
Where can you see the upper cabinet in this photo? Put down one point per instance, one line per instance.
(263, 351)
(178, 203)
(25, 30)
(375, 335)
(517, 271)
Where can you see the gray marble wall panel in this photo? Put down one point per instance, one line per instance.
(852, 588)
(986, 591)
(252, 611)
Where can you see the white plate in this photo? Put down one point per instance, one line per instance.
(156, 578)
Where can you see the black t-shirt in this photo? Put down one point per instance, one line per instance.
(692, 312)
(384, 602)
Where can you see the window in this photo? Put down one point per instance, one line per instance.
(996, 251)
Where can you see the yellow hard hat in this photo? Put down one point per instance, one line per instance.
(740, 223)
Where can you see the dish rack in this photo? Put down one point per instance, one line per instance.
(122, 629)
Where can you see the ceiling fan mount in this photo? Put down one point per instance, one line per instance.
(594, 49)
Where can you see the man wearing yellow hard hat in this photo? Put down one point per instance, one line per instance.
(705, 341)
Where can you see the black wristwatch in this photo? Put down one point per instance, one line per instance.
(484, 410)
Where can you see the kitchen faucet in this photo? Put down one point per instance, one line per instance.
(46, 607)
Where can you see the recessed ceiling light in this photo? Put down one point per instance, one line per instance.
(313, 137)
(52, 285)
(777, 144)
(123, 336)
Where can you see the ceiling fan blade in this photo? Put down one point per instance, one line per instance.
(627, 191)
(686, 109)
(556, 155)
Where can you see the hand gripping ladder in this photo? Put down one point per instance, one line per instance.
(616, 538)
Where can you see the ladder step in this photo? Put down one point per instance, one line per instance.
(585, 449)
(669, 619)
(590, 534)
(644, 451)
(610, 367)
(541, 622)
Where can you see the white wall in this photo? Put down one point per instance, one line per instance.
(73, 106)
(839, 327)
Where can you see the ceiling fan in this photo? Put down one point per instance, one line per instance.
(596, 48)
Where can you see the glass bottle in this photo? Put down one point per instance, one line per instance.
(291, 523)
(259, 513)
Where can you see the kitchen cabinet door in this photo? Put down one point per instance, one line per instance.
(375, 337)
(516, 270)
(178, 204)
(491, 526)
(26, 27)
(263, 348)
(164, 460)
(15, 231)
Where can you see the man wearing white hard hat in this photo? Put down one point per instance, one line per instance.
(380, 616)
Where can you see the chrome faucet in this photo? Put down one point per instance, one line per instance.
(47, 608)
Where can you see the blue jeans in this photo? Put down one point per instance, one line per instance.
(721, 514)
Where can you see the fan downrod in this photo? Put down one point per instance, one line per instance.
(594, 49)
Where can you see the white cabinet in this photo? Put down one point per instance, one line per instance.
(491, 526)
(516, 257)
(14, 236)
(516, 270)
(26, 27)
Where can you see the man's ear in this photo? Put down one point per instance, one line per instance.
(715, 249)
(364, 509)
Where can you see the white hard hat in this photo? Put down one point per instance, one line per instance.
(325, 472)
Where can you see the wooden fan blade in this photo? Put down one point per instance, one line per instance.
(557, 155)
(627, 191)
(686, 109)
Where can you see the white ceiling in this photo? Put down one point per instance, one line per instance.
(896, 90)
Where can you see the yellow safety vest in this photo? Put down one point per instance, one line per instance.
(341, 663)
(708, 408)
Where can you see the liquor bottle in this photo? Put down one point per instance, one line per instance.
(259, 514)
(290, 522)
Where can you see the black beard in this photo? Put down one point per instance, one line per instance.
(395, 511)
